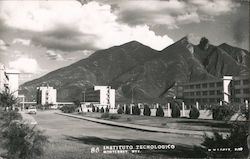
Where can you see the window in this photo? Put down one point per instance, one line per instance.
(237, 91)
(186, 94)
(237, 82)
(198, 86)
(191, 86)
(211, 92)
(219, 84)
(246, 81)
(246, 91)
(198, 93)
(237, 100)
(204, 100)
(211, 85)
(204, 85)
(192, 93)
(204, 93)
(219, 92)
(211, 100)
(186, 87)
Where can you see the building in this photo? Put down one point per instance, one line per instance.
(46, 95)
(99, 96)
(13, 76)
(9, 80)
(4, 79)
(227, 89)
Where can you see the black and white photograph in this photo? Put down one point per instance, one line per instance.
(124, 79)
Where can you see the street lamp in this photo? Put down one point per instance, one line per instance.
(83, 96)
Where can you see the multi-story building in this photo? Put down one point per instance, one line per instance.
(227, 89)
(9, 80)
(100, 96)
(13, 76)
(4, 79)
(46, 95)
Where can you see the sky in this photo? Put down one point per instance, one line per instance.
(39, 36)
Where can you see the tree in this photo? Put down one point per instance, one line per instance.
(120, 110)
(175, 110)
(146, 110)
(93, 108)
(7, 100)
(159, 111)
(78, 104)
(107, 109)
(102, 110)
(127, 111)
(136, 110)
(194, 113)
(222, 112)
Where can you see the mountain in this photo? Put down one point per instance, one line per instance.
(150, 74)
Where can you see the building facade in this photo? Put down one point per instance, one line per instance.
(99, 96)
(46, 95)
(4, 79)
(227, 89)
(9, 80)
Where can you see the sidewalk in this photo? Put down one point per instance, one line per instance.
(27, 118)
(142, 127)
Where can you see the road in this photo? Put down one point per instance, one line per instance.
(79, 133)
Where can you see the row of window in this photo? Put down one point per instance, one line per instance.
(204, 85)
(239, 91)
(204, 93)
(204, 100)
(244, 82)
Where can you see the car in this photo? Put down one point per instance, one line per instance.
(32, 110)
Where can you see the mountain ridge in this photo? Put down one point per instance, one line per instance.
(151, 73)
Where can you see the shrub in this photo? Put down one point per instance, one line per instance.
(102, 110)
(120, 110)
(105, 115)
(194, 113)
(175, 112)
(236, 139)
(97, 109)
(68, 109)
(127, 111)
(146, 110)
(107, 109)
(93, 108)
(136, 110)
(22, 141)
(8, 117)
(160, 112)
(222, 112)
(114, 117)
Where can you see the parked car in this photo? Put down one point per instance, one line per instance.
(32, 110)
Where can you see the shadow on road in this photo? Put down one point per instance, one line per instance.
(179, 151)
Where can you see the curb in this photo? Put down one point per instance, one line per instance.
(140, 127)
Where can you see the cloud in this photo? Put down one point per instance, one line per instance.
(25, 65)
(215, 7)
(70, 26)
(172, 13)
(52, 55)
(21, 41)
(3, 45)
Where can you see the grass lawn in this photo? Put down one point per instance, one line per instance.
(165, 122)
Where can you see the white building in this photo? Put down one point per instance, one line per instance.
(13, 76)
(9, 80)
(4, 80)
(46, 95)
(99, 96)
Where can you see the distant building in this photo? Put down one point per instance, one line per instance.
(46, 95)
(4, 79)
(9, 80)
(227, 89)
(13, 76)
(99, 96)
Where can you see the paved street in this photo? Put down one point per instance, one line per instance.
(73, 138)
